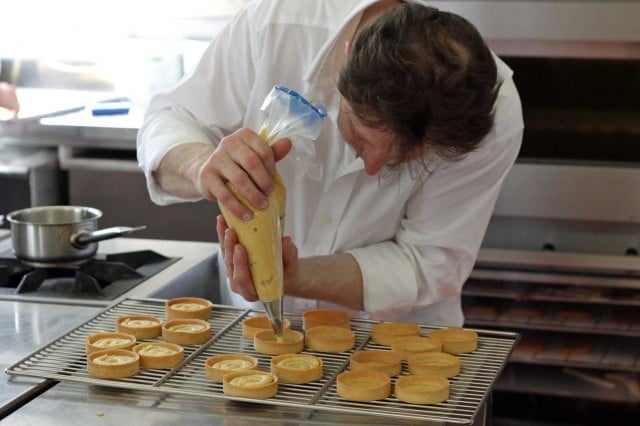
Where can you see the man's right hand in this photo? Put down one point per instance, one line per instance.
(245, 160)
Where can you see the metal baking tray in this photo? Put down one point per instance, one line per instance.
(64, 359)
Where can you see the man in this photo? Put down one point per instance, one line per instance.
(386, 211)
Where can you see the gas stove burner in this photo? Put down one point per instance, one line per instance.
(102, 277)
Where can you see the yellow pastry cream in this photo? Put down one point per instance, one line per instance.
(186, 331)
(297, 368)
(218, 365)
(105, 340)
(250, 384)
(159, 354)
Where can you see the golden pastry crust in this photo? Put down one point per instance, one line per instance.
(251, 326)
(217, 366)
(422, 389)
(330, 338)
(140, 326)
(250, 384)
(410, 345)
(434, 364)
(186, 331)
(363, 385)
(383, 333)
(297, 368)
(188, 308)
(265, 342)
(101, 341)
(159, 354)
(456, 340)
(113, 363)
(333, 317)
(387, 362)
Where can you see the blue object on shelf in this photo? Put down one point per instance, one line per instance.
(111, 108)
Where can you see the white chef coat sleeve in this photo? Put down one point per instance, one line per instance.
(207, 104)
(445, 221)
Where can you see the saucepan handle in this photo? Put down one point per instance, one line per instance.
(84, 237)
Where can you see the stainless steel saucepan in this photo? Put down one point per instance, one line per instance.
(59, 234)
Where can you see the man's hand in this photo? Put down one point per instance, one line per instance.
(245, 160)
(237, 263)
(9, 98)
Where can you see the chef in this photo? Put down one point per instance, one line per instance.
(387, 209)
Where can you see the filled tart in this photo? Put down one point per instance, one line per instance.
(363, 385)
(100, 341)
(250, 384)
(188, 307)
(422, 389)
(297, 368)
(409, 345)
(186, 331)
(330, 338)
(140, 326)
(217, 366)
(435, 364)
(266, 342)
(159, 354)
(113, 363)
(387, 362)
(251, 326)
(333, 317)
(456, 340)
(383, 333)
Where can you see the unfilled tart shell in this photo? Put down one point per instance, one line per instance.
(188, 307)
(251, 326)
(318, 317)
(363, 385)
(250, 384)
(297, 368)
(265, 342)
(113, 363)
(186, 331)
(140, 326)
(456, 340)
(217, 366)
(422, 389)
(330, 338)
(410, 345)
(434, 364)
(383, 333)
(101, 341)
(387, 362)
(159, 354)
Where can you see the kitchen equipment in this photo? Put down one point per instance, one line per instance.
(64, 359)
(59, 234)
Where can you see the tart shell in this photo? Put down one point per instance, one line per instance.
(456, 340)
(318, 317)
(203, 313)
(434, 364)
(297, 368)
(262, 392)
(387, 362)
(383, 333)
(113, 371)
(410, 345)
(92, 339)
(265, 342)
(160, 360)
(216, 374)
(422, 389)
(363, 385)
(186, 337)
(330, 338)
(251, 326)
(141, 331)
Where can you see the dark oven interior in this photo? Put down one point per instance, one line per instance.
(560, 263)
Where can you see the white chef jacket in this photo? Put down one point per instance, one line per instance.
(415, 240)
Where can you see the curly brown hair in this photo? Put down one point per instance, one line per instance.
(426, 75)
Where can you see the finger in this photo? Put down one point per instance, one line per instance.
(281, 148)
(221, 226)
(242, 276)
(289, 252)
(230, 240)
(255, 158)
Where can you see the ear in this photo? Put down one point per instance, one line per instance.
(347, 48)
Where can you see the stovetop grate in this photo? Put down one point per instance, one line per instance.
(64, 359)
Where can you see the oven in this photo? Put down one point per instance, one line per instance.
(559, 263)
